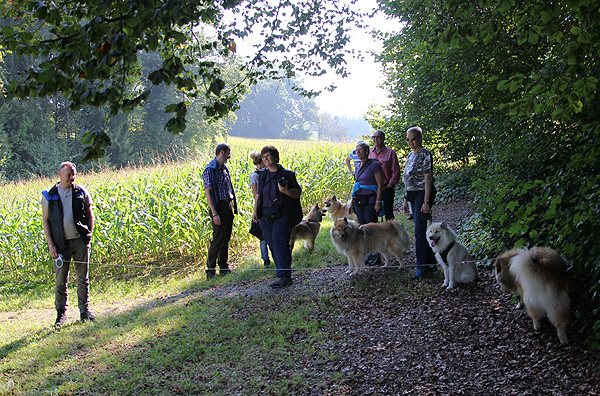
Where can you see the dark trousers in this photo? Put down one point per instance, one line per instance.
(77, 250)
(219, 246)
(277, 235)
(366, 213)
(425, 255)
(387, 199)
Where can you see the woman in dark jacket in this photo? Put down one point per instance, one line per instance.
(278, 210)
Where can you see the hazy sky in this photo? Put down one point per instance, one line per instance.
(357, 92)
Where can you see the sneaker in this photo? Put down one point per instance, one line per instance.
(224, 271)
(87, 315)
(266, 262)
(210, 274)
(282, 282)
(61, 318)
(419, 274)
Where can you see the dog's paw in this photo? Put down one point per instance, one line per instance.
(450, 287)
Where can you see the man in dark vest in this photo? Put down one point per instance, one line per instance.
(222, 206)
(68, 223)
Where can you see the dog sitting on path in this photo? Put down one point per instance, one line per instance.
(308, 229)
(538, 275)
(452, 255)
(338, 210)
(356, 242)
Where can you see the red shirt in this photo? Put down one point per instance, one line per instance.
(389, 163)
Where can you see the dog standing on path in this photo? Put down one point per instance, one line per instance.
(356, 242)
(538, 275)
(308, 229)
(451, 255)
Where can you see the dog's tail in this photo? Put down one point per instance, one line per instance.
(547, 261)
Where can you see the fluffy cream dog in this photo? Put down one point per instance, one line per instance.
(308, 229)
(539, 276)
(338, 210)
(356, 242)
(453, 256)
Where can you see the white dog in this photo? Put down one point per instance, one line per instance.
(452, 255)
(539, 276)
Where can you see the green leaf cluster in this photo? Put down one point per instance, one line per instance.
(90, 51)
(509, 87)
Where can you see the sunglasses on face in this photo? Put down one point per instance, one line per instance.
(411, 139)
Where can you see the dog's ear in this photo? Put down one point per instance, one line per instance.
(345, 220)
(444, 225)
(428, 223)
(333, 197)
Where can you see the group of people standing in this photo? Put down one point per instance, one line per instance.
(68, 219)
(377, 172)
(276, 208)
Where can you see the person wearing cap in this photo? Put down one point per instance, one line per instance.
(391, 171)
(68, 223)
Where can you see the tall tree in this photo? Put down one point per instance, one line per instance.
(512, 85)
(89, 50)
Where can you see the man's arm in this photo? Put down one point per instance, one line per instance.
(48, 231)
(213, 210)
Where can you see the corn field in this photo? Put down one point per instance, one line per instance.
(157, 216)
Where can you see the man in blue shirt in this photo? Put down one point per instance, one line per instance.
(222, 206)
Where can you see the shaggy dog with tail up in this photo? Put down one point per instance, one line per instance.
(539, 276)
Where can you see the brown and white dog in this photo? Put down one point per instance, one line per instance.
(538, 276)
(356, 242)
(338, 210)
(308, 229)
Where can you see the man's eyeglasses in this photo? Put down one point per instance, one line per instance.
(411, 139)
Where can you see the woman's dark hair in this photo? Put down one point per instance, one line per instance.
(272, 151)
(364, 145)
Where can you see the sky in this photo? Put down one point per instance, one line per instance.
(360, 89)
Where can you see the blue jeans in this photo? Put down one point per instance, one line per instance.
(277, 235)
(425, 255)
(264, 250)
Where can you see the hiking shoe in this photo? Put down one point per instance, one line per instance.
(373, 259)
(419, 274)
(266, 262)
(210, 274)
(61, 318)
(87, 315)
(281, 282)
(224, 271)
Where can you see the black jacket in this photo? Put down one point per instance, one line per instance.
(292, 206)
(56, 216)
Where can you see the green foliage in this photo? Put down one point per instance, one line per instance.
(155, 216)
(91, 51)
(511, 88)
